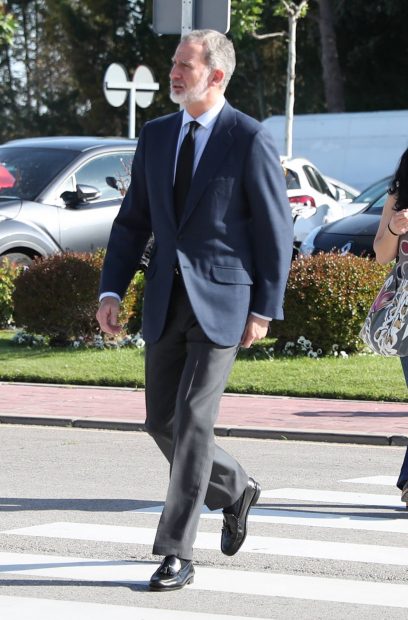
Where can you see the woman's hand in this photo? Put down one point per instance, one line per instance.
(399, 222)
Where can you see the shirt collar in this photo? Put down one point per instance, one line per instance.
(208, 117)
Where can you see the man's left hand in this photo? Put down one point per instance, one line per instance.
(255, 329)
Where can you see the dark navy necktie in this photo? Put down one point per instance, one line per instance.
(184, 170)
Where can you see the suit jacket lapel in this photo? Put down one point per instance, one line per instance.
(214, 153)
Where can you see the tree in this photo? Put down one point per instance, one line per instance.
(8, 25)
(293, 12)
(332, 75)
(372, 45)
(245, 17)
(51, 74)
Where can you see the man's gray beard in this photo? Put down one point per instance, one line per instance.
(191, 96)
(179, 99)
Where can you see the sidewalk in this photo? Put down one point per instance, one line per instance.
(268, 417)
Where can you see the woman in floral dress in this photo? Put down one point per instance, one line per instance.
(391, 242)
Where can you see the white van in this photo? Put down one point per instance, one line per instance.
(356, 147)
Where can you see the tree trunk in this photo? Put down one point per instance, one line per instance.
(332, 75)
(27, 63)
(259, 89)
(290, 85)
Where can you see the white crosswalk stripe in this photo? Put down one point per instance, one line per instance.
(335, 497)
(218, 580)
(310, 519)
(374, 554)
(27, 608)
(388, 481)
(314, 508)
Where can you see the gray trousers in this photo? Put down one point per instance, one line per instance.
(186, 375)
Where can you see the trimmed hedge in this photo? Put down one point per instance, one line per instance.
(58, 297)
(327, 299)
(8, 273)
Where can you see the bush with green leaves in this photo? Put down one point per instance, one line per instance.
(134, 321)
(8, 273)
(58, 297)
(327, 299)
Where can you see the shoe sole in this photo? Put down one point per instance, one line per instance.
(254, 500)
(257, 495)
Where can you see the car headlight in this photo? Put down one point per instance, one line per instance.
(307, 246)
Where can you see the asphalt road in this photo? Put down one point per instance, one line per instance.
(78, 511)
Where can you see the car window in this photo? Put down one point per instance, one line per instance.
(317, 181)
(377, 206)
(25, 171)
(292, 179)
(68, 185)
(373, 191)
(110, 174)
(309, 172)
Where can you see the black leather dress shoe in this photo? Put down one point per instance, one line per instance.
(172, 574)
(234, 529)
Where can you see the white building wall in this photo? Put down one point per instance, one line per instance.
(355, 147)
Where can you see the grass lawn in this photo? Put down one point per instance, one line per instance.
(358, 377)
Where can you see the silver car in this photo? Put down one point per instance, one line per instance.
(60, 194)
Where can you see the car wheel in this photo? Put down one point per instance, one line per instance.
(17, 258)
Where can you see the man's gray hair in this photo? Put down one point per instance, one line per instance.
(218, 50)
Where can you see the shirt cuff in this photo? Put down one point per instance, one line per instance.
(260, 316)
(108, 294)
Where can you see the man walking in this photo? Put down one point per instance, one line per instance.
(207, 182)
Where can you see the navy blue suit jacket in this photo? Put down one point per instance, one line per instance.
(234, 241)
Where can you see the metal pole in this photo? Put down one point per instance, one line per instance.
(187, 7)
(132, 112)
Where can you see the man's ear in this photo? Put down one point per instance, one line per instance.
(217, 77)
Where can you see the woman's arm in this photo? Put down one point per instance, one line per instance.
(392, 225)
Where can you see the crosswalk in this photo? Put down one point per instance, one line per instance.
(19, 608)
(325, 512)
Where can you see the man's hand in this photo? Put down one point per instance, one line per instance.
(107, 315)
(255, 329)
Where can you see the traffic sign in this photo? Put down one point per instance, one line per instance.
(143, 79)
(141, 89)
(182, 16)
(115, 74)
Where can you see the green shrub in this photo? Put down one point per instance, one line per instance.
(327, 299)
(134, 323)
(8, 273)
(58, 297)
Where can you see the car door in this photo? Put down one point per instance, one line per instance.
(86, 226)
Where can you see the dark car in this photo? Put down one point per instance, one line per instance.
(354, 233)
(59, 194)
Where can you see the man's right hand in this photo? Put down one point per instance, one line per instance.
(107, 315)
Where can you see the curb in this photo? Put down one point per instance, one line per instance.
(243, 432)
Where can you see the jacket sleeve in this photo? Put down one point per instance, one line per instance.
(271, 225)
(131, 230)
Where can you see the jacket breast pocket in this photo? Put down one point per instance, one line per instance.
(230, 275)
